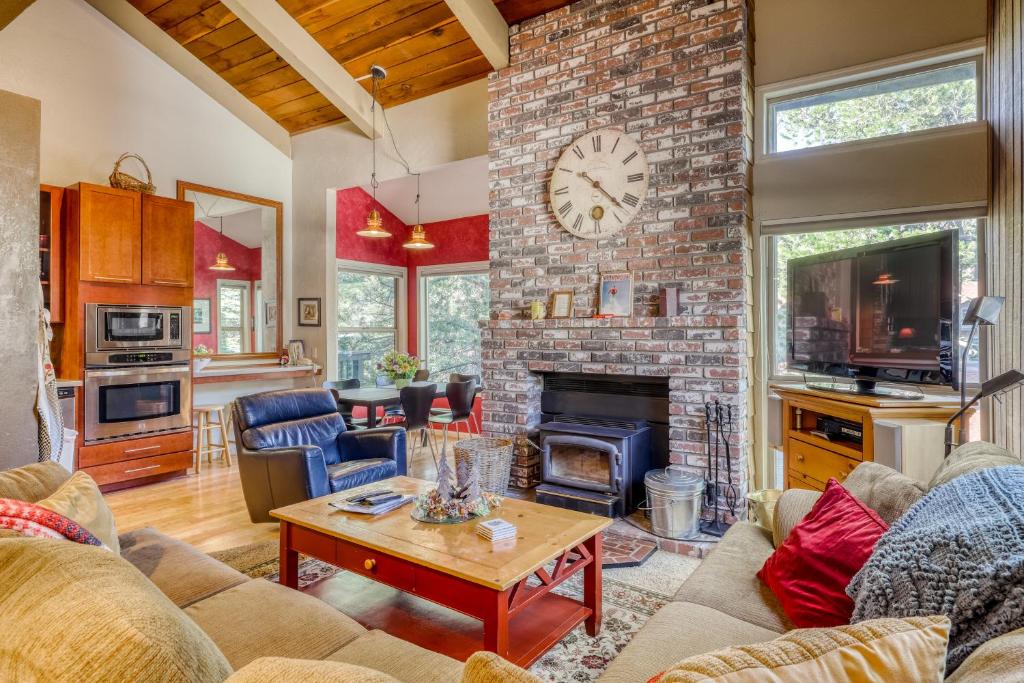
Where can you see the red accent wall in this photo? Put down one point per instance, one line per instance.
(460, 240)
(208, 243)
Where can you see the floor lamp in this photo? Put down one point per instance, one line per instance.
(997, 385)
(983, 311)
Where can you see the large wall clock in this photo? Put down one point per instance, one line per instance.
(599, 183)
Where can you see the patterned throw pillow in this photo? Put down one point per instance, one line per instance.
(28, 519)
(911, 650)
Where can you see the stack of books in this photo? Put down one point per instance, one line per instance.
(495, 530)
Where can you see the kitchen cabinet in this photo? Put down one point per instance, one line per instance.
(167, 236)
(51, 250)
(110, 234)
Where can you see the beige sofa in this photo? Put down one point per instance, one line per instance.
(79, 613)
(724, 603)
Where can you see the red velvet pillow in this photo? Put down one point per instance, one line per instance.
(809, 572)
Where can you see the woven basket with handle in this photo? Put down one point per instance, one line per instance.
(493, 458)
(124, 181)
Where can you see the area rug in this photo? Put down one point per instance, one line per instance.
(630, 597)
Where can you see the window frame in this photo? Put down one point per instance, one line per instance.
(423, 273)
(401, 328)
(907, 65)
(245, 315)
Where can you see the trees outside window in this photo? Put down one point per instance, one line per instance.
(452, 304)
(368, 319)
(233, 316)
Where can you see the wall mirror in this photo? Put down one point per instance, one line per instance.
(237, 295)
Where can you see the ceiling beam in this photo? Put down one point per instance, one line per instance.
(10, 9)
(286, 37)
(135, 24)
(485, 25)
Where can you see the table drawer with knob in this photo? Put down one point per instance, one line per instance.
(818, 463)
(378, 566)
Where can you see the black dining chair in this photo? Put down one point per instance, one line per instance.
(416, 400)
(394, 413)
(346, 408)
(458, 377)
(460, 410)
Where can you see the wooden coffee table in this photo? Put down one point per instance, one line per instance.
(451, 565)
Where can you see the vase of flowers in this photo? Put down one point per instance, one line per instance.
(201, 357)
(399, 367)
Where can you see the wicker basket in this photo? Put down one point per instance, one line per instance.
(493, 457)
(123, 181)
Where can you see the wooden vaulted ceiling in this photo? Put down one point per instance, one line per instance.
(420, 42)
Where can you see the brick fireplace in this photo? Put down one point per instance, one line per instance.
(675, 75)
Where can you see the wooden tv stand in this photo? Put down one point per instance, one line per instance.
(811, 460)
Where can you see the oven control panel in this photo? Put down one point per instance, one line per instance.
(143, 357)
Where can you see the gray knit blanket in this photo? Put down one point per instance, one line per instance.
(959, 551)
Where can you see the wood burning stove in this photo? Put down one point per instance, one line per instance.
(594, 464)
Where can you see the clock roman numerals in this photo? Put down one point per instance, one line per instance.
(564, 209)
(632, 155)
(577, 151)
(597, 225)
(578, 222)
(562, 190)
(617, 141)
(630, 199)
(635, 178)
(596, 142)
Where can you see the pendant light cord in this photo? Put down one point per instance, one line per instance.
(373, 137)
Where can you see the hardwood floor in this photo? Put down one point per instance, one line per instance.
(208, 510)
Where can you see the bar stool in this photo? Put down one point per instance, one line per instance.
(208, 418)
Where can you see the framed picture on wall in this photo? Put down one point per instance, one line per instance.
(616, 298)
(270, 313)
(309, 312)
(561, 304)
(201, 316)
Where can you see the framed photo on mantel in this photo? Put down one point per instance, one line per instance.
(561, 304)
(616, 296)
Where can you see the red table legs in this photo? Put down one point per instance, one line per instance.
(289, 559)
(592, 585)
(496, 625)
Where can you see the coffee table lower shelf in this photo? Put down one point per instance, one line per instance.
(520, 623)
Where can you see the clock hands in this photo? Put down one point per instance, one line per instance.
(597, 186)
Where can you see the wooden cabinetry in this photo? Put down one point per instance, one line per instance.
(51, 250)
(167, 237)
(811, 459)
(110, 234)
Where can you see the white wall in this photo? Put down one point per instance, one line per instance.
(432, 131)
(103, 94)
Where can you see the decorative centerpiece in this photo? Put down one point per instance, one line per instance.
(202, 356)
(452, 502)
(399, 367)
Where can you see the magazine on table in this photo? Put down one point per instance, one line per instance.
(373, 503)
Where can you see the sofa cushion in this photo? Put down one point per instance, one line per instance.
(79, 499)
(32, 482)
(883, 650)
(78, 613)
(971, 457)
(487, 667)
(263, 619)
(1000, 660)
(181, 572)
(793, 506)
(883, 489)
(276, 669)
(679, 630)
(352, 473)
(399, 658)
(727, 579)
(810, 570)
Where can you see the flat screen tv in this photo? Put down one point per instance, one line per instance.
(879, 313)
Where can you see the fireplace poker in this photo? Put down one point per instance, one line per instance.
(709, 480)
(730, 488)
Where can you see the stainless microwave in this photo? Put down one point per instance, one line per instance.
(110, 327)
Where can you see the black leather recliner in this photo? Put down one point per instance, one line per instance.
(293, 446)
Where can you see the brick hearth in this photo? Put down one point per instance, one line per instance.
(675, 75)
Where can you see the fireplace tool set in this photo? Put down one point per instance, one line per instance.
(718, 425)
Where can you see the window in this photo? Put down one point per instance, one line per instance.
(371, 301)
(928, 97)
(452, 301)
(233, 316)
(782, 248)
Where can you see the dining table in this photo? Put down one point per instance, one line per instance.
(373, 398)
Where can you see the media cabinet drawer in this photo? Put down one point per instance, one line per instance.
(799, 480)
(139, 468)
(818, 463)
(133, 449)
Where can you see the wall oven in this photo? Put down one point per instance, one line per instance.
(138, 374)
